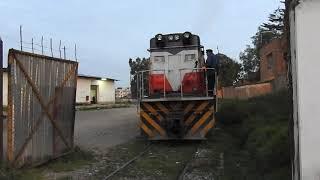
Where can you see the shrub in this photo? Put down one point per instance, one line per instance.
(260, 129)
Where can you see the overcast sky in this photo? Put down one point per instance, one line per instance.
(108, 33)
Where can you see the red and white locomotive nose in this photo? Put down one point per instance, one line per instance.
(173, 59)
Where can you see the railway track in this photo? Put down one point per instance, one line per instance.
(157, 152)
(187, 165)
(128, 163)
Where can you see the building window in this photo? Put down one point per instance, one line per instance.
(270, 61)
(190, 57)
(159, 59)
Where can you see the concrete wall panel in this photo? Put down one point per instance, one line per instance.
(83, 90)
(306, 56)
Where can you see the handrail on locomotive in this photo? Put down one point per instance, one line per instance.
(142, 87)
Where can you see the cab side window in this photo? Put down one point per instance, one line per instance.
(190, 57)
(158, 59)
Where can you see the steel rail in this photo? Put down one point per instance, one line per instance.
(128, 162)
(186, 166)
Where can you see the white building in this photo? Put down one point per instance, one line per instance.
(305, 53)
(90, 89)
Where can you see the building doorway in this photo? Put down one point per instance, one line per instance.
(94, 94)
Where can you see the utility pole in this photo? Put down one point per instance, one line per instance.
(42, 45)
(64, 52)
(20, 38)
(60, 48)
(1, 100)
(75, 52)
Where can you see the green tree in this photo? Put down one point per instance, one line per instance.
(250, 59)
(229, 71)
(135, 67)
(275, 22)
(273, 28)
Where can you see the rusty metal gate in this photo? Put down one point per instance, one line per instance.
(41, 107)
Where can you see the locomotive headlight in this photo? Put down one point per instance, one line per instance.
(176, 37)
(170, 37)
(159, 37)
(187, 35)
(160, 40)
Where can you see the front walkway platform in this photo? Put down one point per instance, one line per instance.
(163, 99)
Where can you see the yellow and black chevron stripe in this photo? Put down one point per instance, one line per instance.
(197, 116)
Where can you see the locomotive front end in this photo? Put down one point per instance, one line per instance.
(174, 101)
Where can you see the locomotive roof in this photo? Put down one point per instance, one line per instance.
(194, 42)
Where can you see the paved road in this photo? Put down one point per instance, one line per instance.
(98, 130)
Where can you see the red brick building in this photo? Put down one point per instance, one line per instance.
(273, 73)
(273, 63)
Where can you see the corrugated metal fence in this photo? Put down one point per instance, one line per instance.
(41, 107)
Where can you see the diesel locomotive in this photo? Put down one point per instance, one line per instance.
(174, 101)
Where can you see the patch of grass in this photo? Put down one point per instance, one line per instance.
(7, 173)
(107, 106)
(65, 178)
(71, 162)
(124, 102)
(121, 105)
(32, 174)
(165, 160)
(120, 154)
(254, 137)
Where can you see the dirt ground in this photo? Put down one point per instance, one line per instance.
(101, 129)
